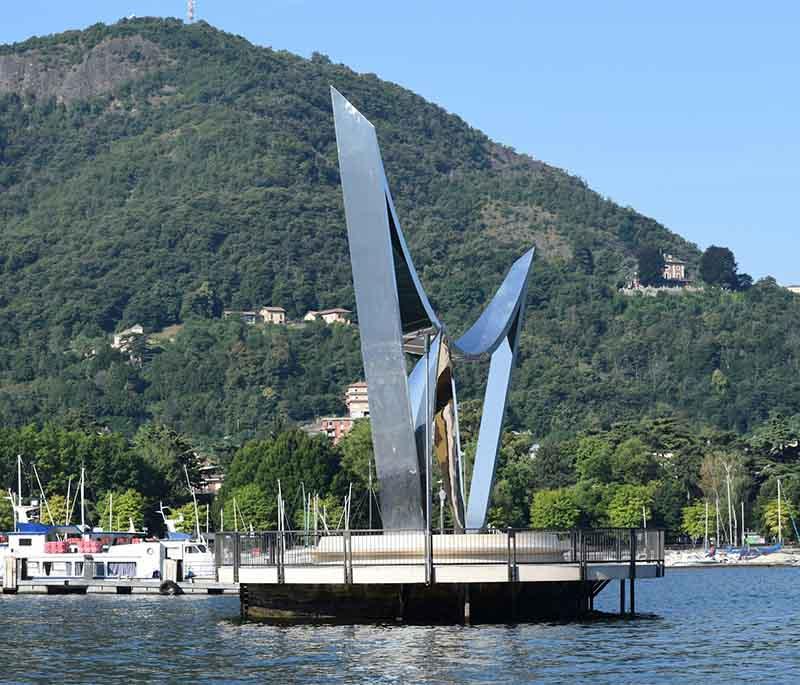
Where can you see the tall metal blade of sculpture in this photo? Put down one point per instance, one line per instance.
(393, 307)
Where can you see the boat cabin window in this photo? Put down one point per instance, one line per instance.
(25, 542)
(202, 549)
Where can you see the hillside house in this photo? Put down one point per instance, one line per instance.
(336, 427)
(356, 398)
(211, 478)
(793, 289)
(329, 316)
(247, 317)
(674, 269)
(674, 274)
(122, 340)
(276, 315)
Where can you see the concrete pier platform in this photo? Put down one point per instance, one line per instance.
(410, 576)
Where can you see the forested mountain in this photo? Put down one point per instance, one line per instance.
(153, 172)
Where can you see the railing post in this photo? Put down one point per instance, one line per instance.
(280, 544)
(512, 554)
(428, 557)
(237, 550)
(273, 543)
(348, 557)
(583, 554)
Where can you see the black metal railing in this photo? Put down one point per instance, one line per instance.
(361, 548)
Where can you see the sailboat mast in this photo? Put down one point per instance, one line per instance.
(742, 523)
(83, 498)
(730, 506)
(66, 509)
(44, 499)
(235, 519)
(780, 536)
(194, 499)
(19, 480)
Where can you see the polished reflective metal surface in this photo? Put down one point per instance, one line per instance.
(394, 314)
(495, 322)
(379, 321)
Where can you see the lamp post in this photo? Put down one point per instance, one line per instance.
(442, 498)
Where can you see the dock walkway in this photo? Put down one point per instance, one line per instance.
(50, 586)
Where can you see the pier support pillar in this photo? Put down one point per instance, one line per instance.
(633, 597)
(622, 597)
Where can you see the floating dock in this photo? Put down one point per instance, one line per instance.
(56, 586)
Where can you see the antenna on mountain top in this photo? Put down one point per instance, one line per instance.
(190, 7)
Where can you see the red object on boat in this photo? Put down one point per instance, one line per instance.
(90, 546)
(56, 547)
(136, 541)
(73, 541)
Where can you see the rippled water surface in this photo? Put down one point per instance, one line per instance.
(704, 626)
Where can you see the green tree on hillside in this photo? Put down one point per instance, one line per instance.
(555, 509)
(593, 459)
(6, 515)
(633, 462)
(167, 452)
(254, 508)
(629, 505)
(769, 518)
(693, 521)
(202, 302)
(56, 507)
(651, 266)
(124, 506)
(718, 267)
(186, 518)
(295, 459)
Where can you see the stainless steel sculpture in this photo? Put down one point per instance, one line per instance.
(394, 314)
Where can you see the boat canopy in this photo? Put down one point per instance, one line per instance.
(32, 528)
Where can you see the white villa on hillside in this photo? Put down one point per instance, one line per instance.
(122, 340)
(335, 315)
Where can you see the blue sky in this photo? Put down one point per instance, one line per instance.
(687, 112)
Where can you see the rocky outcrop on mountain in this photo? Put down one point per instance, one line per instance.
(103, 68)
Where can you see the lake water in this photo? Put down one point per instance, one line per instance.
(704, 626)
